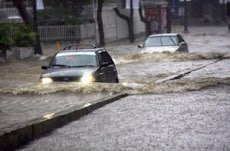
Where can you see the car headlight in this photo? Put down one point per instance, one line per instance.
(87, 78)
(46, 80)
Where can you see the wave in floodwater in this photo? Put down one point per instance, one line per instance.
(129, 88)
(167, 56)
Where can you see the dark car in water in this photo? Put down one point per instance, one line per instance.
(77, 63)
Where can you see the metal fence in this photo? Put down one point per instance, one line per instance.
(65, 32)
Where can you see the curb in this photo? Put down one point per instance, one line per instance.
(20, 134)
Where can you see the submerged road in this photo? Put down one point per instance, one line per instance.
(197, 120)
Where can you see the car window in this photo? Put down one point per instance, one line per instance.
(75, 60)
(153, 42)
(169, 41)
(180, 39)
(105, 57)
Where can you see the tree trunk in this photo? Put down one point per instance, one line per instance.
(37, 46)
(146, 21)
(129, 21)
(4, 49)
(169, 17)
(100, 23)
(22, 11)
(131, 30)
(228, 14)
(28, 21)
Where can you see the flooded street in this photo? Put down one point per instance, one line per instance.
(16, 109)
(143, 72)
(164, 88)
(197, 120)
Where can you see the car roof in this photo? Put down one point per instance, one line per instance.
(163, 35)
(82, 48)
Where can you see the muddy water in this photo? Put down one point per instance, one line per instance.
(130, 88)
(166, 56)
(19, 78)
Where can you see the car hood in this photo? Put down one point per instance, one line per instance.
(68, 72)
(159, 49)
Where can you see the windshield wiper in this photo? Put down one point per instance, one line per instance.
(61, 65)
(84, 66)
(68, 66)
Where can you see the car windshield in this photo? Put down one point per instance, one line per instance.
(75, 60)
(161, 41)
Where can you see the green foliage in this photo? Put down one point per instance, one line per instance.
(23, 35)
(62, 12)
(5, 39)
(73, 20)
(16, 34)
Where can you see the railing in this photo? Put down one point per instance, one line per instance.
(65, 32)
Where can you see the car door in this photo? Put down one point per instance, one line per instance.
(183, 47)
(112, 71)
(108, 67)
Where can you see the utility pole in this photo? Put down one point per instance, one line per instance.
(169, 15)
(37, 46)
(95, 21)
(228, 13)
(185, 17)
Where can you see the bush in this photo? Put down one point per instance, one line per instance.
(16, 34)
(23, 35)
(5, 39)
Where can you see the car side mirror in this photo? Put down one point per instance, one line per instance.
(44, 67)
(182, 43)
(140, 46)
(104, 64)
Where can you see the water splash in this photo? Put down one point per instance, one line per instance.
(129, 88)
(167, 56)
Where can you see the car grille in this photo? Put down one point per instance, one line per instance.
(66, 79)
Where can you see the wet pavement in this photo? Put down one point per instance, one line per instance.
(16, 109)
(197, 120)
(220, 69)
(149, 72)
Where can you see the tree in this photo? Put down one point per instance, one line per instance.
(62, 12)
(145, 20)
(22, 11)
(129, 21)
(5, 40)
(19, 4)
(100, 23)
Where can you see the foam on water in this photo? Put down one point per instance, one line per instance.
(130, 88)
(140, 85)
(167, 56)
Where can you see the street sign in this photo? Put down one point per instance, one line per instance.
(135, 4)
(39, 4)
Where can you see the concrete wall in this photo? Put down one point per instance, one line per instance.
(139, 26)
(116, 28)
(87, 31)
(110, 28)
